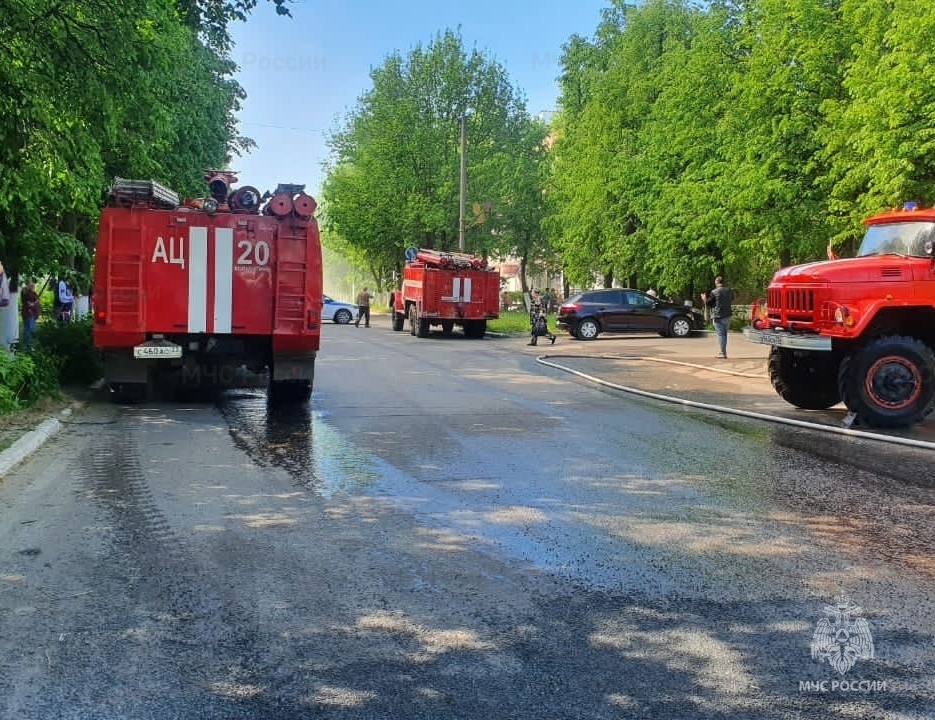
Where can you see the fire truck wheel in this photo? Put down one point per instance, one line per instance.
(284, 392)
(413, 320)
(804, 379)
(448, 326)
(129, 393)
(475, 329)
(422, 330)
(587, 329)
(890, 382)
(342, 317)
(398, 321)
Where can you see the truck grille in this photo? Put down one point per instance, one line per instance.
(791, 304)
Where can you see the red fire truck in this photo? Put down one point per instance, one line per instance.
(446, 289)
(194, 292)
(859, 330)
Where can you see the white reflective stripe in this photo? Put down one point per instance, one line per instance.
(223, 279)
(197, 279)
(456, 289)
(466, 297)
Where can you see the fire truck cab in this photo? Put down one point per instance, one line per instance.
(859, 330)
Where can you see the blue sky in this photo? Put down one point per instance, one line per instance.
(302, 75)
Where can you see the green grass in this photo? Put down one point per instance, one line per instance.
(513, 322)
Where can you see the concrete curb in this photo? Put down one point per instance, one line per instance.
(27, 445)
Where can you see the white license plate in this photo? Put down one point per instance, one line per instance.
(157, 351)
(770, 339)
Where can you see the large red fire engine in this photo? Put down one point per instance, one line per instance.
(194, 292)
(446, 289)
(859, 330)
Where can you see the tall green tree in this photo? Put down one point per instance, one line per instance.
(90, 89)
(879, 138)
(791, 55)
(393, 175)
(582, 219)
(519, 176)
(666, 173)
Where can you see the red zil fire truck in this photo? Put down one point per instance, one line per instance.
(446, 289)
(193, 292)
(858, 330)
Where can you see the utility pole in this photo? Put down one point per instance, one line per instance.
(463, 194)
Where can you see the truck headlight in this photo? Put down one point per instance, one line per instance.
(844, 316)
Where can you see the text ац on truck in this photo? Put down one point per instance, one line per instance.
(859, 330)
(191, 293)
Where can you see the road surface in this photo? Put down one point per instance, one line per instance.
(453, 530)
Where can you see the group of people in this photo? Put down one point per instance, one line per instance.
(30, 305)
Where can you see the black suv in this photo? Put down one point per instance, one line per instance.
(591, 313)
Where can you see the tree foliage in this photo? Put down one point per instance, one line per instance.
(734, 137)
(394, 175)
(92, 89)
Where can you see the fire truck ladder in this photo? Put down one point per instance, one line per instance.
(124, 280)
(289, 303)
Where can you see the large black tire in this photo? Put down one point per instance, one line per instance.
(475, 329)
(448, 326)
(413, 320)
(288, 392)
(399, 321)
(805, 379)
(890, 382)
(422, 330)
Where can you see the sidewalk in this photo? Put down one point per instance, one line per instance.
(699, 350)
(685, 370)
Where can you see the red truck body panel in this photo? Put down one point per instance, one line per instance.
(232, 288)
(859, 330)
(184, 272)
(449, 294)
(446, 289)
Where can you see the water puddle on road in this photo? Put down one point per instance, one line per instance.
(298, 440)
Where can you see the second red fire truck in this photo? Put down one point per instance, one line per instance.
(448, 290)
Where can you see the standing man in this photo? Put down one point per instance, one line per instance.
(30, 309)
(363, 307)
(719, 301)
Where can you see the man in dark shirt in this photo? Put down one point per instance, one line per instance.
(30, 309)
(363, 307)
(719, 301)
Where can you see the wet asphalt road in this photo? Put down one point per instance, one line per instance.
(452, 530)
